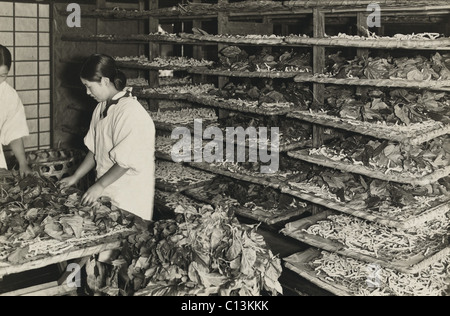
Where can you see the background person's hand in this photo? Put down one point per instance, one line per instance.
(67, 182)
(92, 195)
(25, 170)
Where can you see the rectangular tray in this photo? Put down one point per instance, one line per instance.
(414, 265)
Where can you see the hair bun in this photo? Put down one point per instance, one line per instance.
(120, 80)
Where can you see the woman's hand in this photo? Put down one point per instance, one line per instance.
(68, 182)
(25, 170)
(92, 194)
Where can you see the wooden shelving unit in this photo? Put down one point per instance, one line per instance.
(232, 21)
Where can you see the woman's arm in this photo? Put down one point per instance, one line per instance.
(95, 191)
(87, 165)
(19, 151)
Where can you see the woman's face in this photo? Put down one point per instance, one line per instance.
(3, 73)
(97, 90)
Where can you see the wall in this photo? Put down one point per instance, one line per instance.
(25, 30)
(73, 108)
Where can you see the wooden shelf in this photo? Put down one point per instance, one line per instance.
(381, 83)
(438, 44)
(416, 263)
(246, 74)
(127, 39)
(413, 135)
(424, 213)
(80, 251)
(183, 183)
(371, 173)
(262, 8)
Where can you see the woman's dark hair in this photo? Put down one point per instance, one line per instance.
(98, 66)
(5, 57)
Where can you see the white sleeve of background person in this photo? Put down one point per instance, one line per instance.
(13, 121)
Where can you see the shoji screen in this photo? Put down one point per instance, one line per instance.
(25, 30)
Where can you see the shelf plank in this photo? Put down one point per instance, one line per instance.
(299, 263)
(413, 265)
(246, 74)
(108, 243)
(424, 213)
(275, 218)
(382, 83)
(437, 44)
(135, 39)
(408, 135)
(371, 173)
(268, 181)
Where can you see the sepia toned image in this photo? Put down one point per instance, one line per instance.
(233, 155)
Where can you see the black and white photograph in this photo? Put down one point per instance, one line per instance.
(234, 154)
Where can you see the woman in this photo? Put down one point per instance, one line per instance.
(13, 123)
(121, 142)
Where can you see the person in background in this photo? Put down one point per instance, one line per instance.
(13, 123)
(121, 142)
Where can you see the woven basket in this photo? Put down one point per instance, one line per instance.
(57, 164)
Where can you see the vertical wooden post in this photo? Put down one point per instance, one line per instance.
(100, 4)
(141, 26)
(362, 52)
(198, 50)
(154, 51)
(318, 89)
(222, 21)
(318, 67)
(362, 25)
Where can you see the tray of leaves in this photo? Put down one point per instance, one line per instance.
(407, 251)
(391, 204)
(417, 165)
(255, 202)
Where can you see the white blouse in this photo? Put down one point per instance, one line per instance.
(126, 136)
(13, 123)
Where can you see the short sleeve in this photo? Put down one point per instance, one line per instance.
(89, 139)
(15, 125)
(133, 138)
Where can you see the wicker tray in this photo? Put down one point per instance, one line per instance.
(362, 3)
(159, 96)
(424, 216)
(235, 40)
(393, 133)
(179, 187)
(443, 85)
(266, 181)
(223, 104)
(299, 263)
(136, 65)
(161, 198)
(245, 74)
(414, 265)
(86, 249)
(438, 44)
(269, 219)
(363, 170)
(125, 39)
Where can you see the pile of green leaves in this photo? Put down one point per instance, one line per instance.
(418, 159)
(367, 193)
(394, 107)
(419, 68)
(203, 252)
